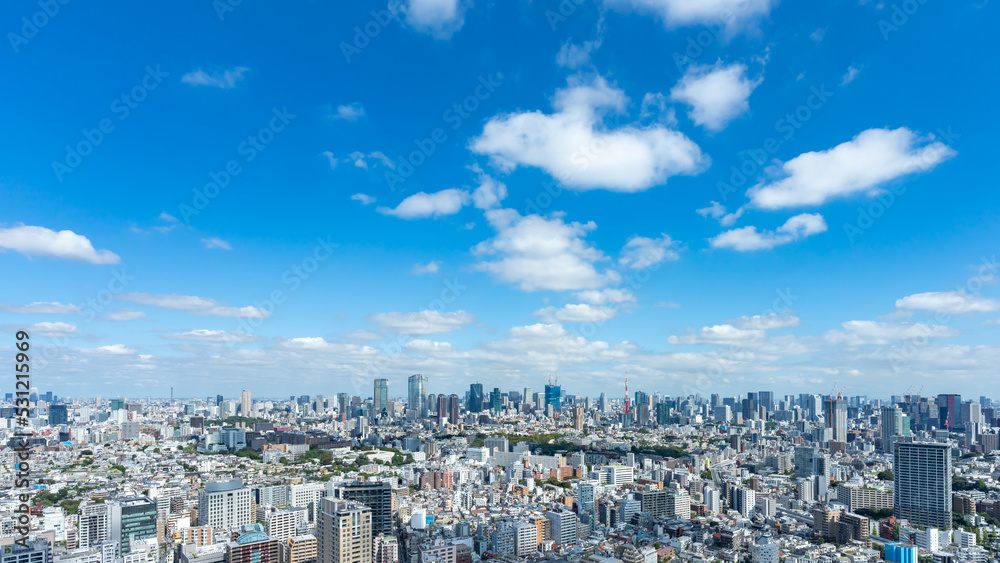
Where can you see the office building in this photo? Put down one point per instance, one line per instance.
(553, 397)
(32, 551)
(417, 397)
(376, 495)
(343, 532)
(949, 410)
(246, 405)
(835, 412)
(476, 398)
(225, 505)
(923, 483)
(58, 414)
(892, 426)
(564, 526)
(132, 519)
(381, 396)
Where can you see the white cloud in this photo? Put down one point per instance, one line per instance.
(489, 194)
(718, 211)
(422, 205)
(349, 112)
(574, 56)
(52, 329)
(423, 322)
(215, 336)
(717, 94)
(334, 161)
(720, 335)
(39, 241)
(164, 216)
(862, 333)
(216, 242)
(438, 18)
(734, 15)
(643, 252)
(225, 79)
(116, 349)
(41, 308)
(748, 238)
(609, 295)
(539, 253)
(431, 267)
(948, 303)
(818, 34)
(870, 159)
(196, 305)
(850, 75)
(124, 315)
(574, 146)
(365, 199)
(360, 159)
(576, 313)
(770, 321)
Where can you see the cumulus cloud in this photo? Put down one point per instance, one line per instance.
(422, 322)
(716, 94)
(608, 295)
(195, 305)
(575, 147)
(365, 199)
(732, 15)
(224, 79)
(438, 18)
(115, 349)
(949, 303)
(216, 242)
(422, 205)
(574, 56)
(850, 75)
(361, 160)
(41, 242)
(870, 159)
(50, 329)
(535, 253)
(643, 252)
(348, 112)
(749, 238)
(717, 211)
(431, 267)
(576, 313)
(41, 308)
(489, 194)
(124, 315)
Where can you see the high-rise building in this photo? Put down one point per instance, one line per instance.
(385, 549)
(476, 398)
(132, 519)
(496, 401)
(343, 402)
(442, 409)
(602, 403)
(218, 400)
(344, 532)
(949, 410)
(376, 495)
(564, 526)
(835, 412)
(245, 403)
(58, 414)
(381, 396)
(585, 493)
(94, 524)
(892, 426)
(923, 483)
(298, 549)
(553, 396)
(454, 409)
(225, 505)
(578, 418)
(417, 397)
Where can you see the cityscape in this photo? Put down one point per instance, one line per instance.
(511, 281)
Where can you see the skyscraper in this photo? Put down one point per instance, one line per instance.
(132, 519)
(342, 402)
(343, 532)
(376, 495)
(225, 505)
(949, 410)
(476, 398)
(892, 425)
(923, 483)
(381, 396)
(553, 396)
(496, 403)
(454, 409)
(58, 414)
(417, 385)
(835, 411)
(245, 403)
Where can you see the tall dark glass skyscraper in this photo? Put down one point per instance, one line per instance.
(376, 495)
(381, 396)
(417, 398)
(476, 398)
(553, 396)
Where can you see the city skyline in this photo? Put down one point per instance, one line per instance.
(345, 192)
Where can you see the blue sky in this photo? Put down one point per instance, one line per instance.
(713, 196)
